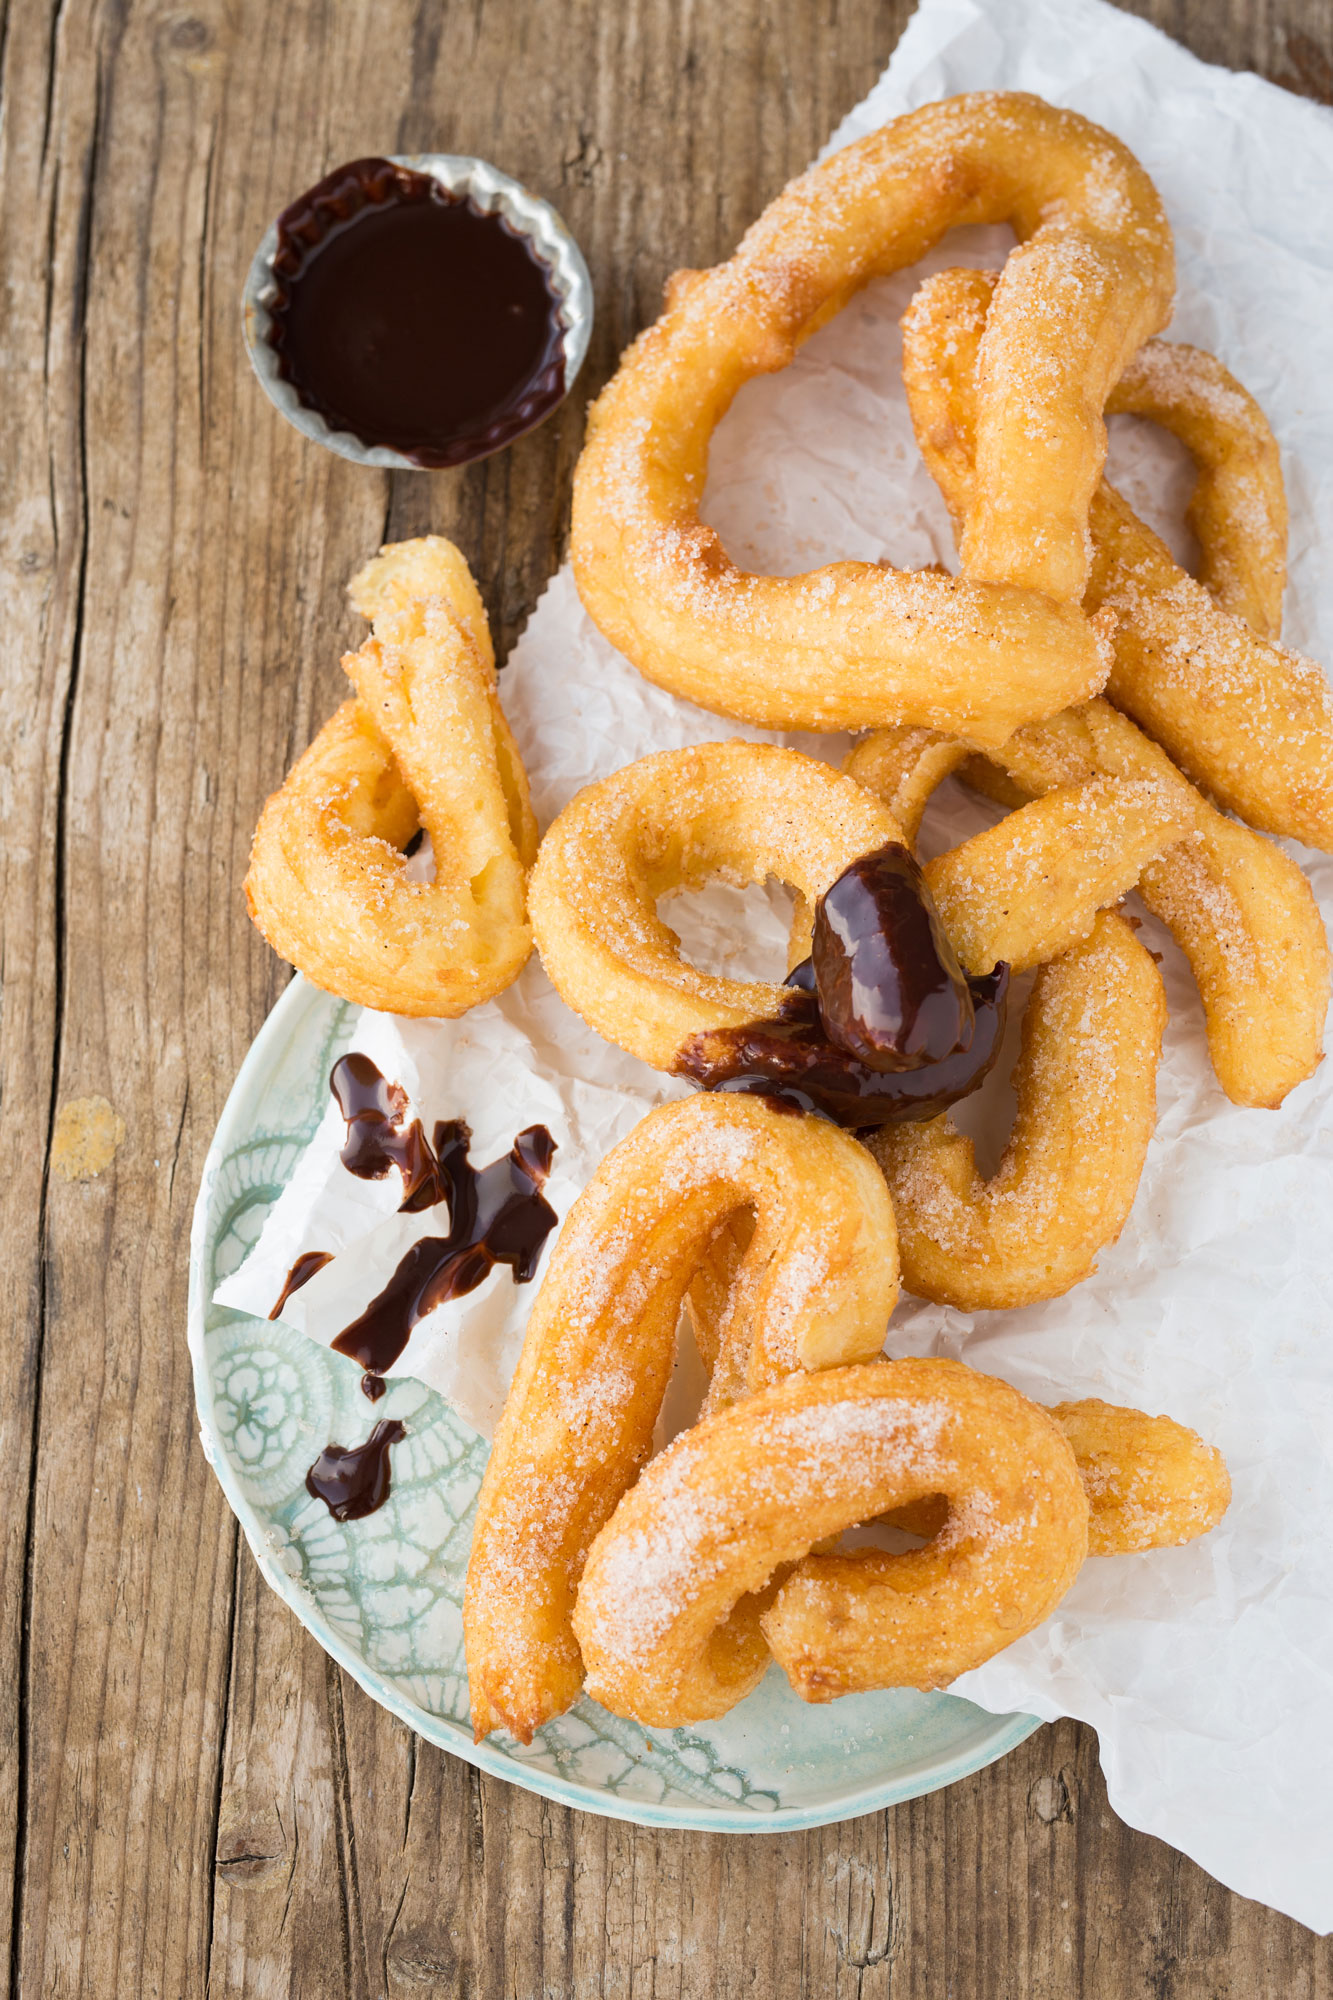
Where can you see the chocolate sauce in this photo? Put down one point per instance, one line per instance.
(875, 1028)
(373, 1387)
(791, 1059)
(891, 990)
(302, 1271)
(353, 1480)
(412, 318)
(497, 1215)
(377, 1139)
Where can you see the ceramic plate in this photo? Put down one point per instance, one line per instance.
(384, 1595)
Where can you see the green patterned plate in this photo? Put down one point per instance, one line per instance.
(384, 1595)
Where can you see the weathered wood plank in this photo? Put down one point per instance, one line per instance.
(195, 1800)
(282, 1861)
(123, 1677)
(42, 541)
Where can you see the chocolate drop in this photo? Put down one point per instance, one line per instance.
(353, 1480)
(891, 990)
(302, 1271)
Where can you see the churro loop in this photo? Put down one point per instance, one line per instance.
(1238, 509)
(1150, 1483)
(855, 644)
(1239, 908)
(814, 1288)
(672, 821)
(424, 744)
(1247, 720)
(676, 1612)
(1030, 888)
(1086, 1089)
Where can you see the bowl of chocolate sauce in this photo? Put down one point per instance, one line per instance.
(417, 311)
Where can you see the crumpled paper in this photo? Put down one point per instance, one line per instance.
(1207, 1670)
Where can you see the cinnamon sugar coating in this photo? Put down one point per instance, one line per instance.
(742, 811)
(1239, 908)
(1249, 721)
(1028, 889)
(424, 744)
(814, 1288)
(1238, 509)
(689, 1585)
(1151, 1483)
(1086, 1088)
(854, 644)
(836, 1623)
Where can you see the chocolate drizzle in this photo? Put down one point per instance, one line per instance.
(412, 318)
(353, 1480)
(302, 1271)
(497, 1215)
(891, 990)
(377, 1140)
(881, 1025)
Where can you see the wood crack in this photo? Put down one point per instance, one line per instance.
(205, 223)
(291, 1872)
(215, 1814)
(51, 66)
(176, 1142)
(4, 52)
(389, 1930)
(354, 1940)
(411, 1785)
(83, 253)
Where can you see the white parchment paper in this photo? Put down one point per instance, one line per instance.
(1208, 1670)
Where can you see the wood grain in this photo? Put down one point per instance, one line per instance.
(193, 1801)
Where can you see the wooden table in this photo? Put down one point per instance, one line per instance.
(193, 1799)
